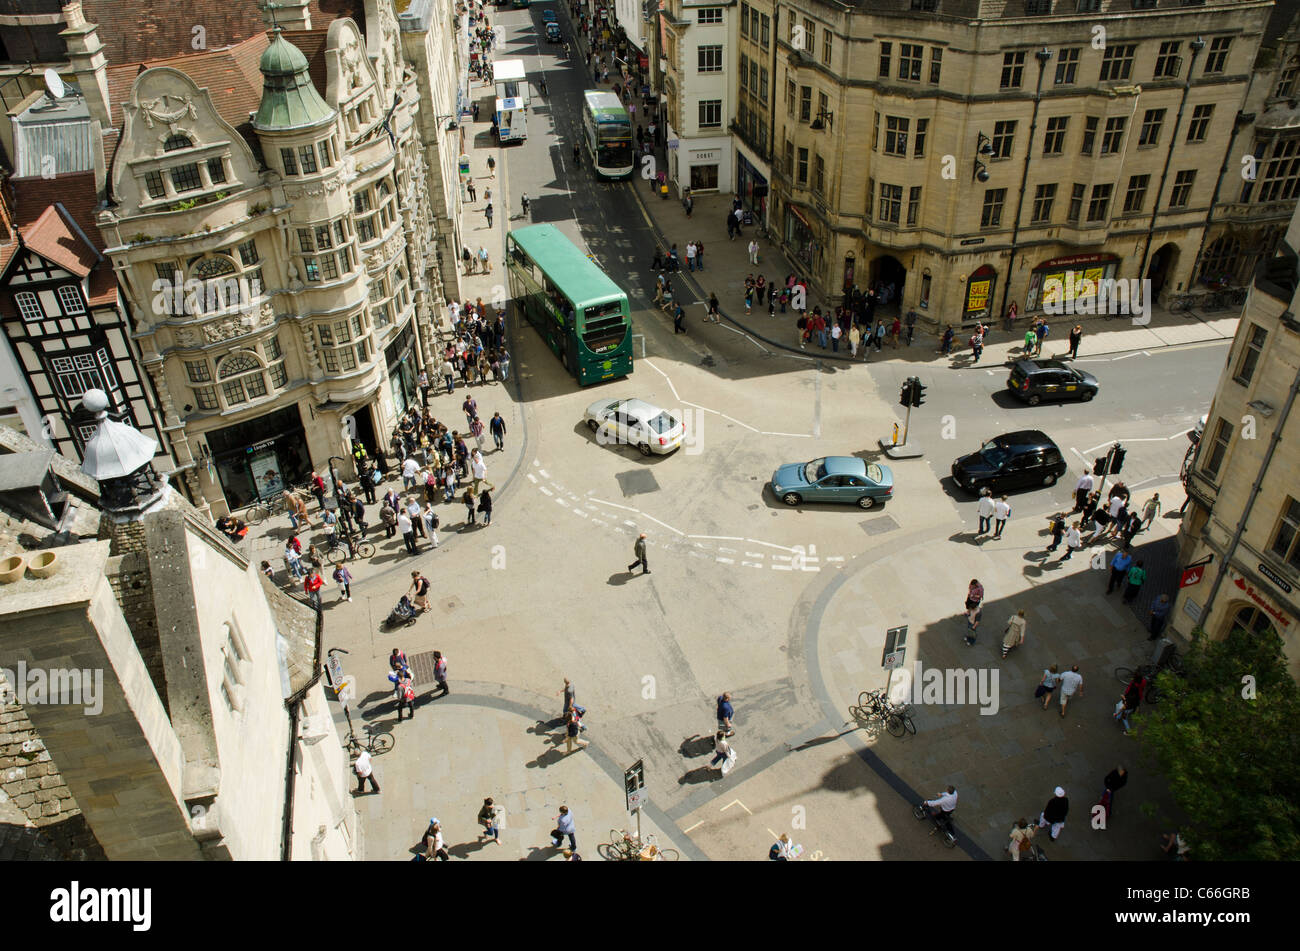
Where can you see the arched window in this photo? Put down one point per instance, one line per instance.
(1252, 620)
(224, 283)
(242, 378)
(176, 141)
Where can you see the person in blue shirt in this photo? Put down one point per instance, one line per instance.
(1159, 614)
(725, 713)
(1119, 566)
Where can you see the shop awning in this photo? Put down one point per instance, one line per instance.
(794, 210)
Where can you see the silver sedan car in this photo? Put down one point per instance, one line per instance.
(635, 423)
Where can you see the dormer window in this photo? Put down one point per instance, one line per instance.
(186, 178)
(176, 141)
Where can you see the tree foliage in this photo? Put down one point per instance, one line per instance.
(1227, 735)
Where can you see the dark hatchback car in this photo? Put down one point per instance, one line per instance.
(1013, 461)
(1036, 380)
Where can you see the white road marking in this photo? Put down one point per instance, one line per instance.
(543, 473)
(560, 501)
(692, 828)
(544, 490)
(834, 557)
(783, 567)
(731, 551)
(629, 524)
(790, 435)
(725, 561)
(736, 802)
(755, 541)
(531, 478)
(750, 564)
(718, 538)
(612, 504)
(665, 376)
(664, 524)
(753, 554)
(578, 513)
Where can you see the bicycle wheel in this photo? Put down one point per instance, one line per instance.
(1152, 695)
(257, 514)
(894, 724)
(910, 724)
(1125, 675)
(381, 743)
(337, 555)
(669, 855)
(366, 550)
(1176, 663)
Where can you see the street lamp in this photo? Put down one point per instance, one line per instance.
(336, 477)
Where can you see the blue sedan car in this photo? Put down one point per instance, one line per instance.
(845, 479)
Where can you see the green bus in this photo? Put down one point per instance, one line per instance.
(580, 313)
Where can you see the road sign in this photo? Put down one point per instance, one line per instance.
(894, 659)
(895, 642)
(1192, 576)
(634, 785)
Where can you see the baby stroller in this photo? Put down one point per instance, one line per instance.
(402, 615)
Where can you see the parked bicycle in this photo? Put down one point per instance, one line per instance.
(347, 548)
(874, 706)
(1125, 675)
(376, 742)
(627, 847)
(263, 509)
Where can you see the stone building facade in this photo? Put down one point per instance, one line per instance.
(1242, 522)
(698, 91)
(971, 151)
(276, 252)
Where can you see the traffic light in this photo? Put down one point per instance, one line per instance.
(905, 395)
(1117, 459)
(918, 392)
(1099, 466)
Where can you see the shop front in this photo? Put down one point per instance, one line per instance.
(979, 295)
(1054, 285)
(704, 170)
(752, 187)
(402, 373)
(801, 239)
(258, 459)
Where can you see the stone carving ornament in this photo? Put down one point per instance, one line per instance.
(152, 110)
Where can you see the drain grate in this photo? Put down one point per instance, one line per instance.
(422, 667)
(637, 482)
(879, 526)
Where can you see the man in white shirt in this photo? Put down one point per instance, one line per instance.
(1071, 683)
(408, 531)
(946, 802)
(1001, 512)
(365, 771)
(753, 252)
(409, 468)
(690, 256)
(1073, 541)
(478, 469)
(986, 509)
(1081, 490)
(449, 375)
(415, 515)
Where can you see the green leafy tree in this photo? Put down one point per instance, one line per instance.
(1227, 735)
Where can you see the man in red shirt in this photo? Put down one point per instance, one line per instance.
(312, 585)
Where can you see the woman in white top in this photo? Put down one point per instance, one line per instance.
(431, 522)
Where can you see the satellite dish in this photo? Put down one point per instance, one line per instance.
(53, 84)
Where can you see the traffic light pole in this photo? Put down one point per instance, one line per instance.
(910, 395)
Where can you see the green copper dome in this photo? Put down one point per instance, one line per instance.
(289, 100)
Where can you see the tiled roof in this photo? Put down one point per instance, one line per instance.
(147, 30)
(55, 236)
(52, 239)
(75, 190)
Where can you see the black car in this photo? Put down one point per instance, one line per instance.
(1036, 380)
(1015, 460)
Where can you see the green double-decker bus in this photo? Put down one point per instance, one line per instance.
(580, 313)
